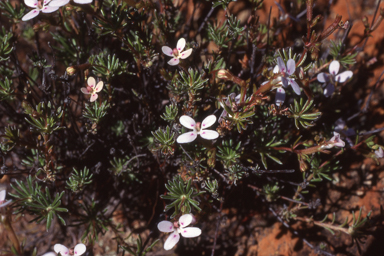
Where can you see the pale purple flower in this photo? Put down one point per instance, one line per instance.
(64, 251)
(335, 141)
(167, 226)
(231, 97)
(330, 79)
(92, 88)
(3, 194)
(379, 153)
(189, 123)
(177, 53)
(45, 6)
(341, 127)
(285, 74)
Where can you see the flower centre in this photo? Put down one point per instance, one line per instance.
(89, 89)
(40, 4)
(198, 126)
(175, 53)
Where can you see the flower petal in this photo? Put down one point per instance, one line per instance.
(223, 115)
(329, 90)
(340, 144)
(49, 9)
(99, 86)
(187, 122)
(280, 96)
(180, 44)
(339, 124)
(165, 226)
(334, 67)
(173, 62)
(31, 3)
(336, 140)
(59, 248)
(5, 204)
(281, 64)
(91, 81)
(322, 77)
(171, 241)
(32, 14)
(79, 249)
(209, 134)
(185, 220)
(208, 121)
(291, 66)
(187, 137)
(49, 254)
(190, 232)
(346, 75)
(93, 97)
(275, 71)
(167, 51)
(3, 193)
(58, 3)
(185, 54)
(295, 86)
(379, 153)
(237, 98)
(83, 1)
(284, 81)
(84, 90)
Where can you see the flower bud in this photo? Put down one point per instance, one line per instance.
(71, 70)
(224, 74)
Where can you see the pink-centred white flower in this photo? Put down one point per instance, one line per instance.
(63, 251)
(177, 53)
(285, 74)
(330, 79)
(92, 88)
(198, 129)
(45, 6)
(3, 194)
(178, 228)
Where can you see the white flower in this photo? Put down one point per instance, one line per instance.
(189, 123)
(286, 72)
(64, 251)
(177, 53)
(92, 89)
(3, 194)
(379, 153)
(167, 226)
(45, 6)
(331, 78)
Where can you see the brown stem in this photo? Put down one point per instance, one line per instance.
(324, 225)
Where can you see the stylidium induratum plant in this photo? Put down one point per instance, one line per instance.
(128, 119)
